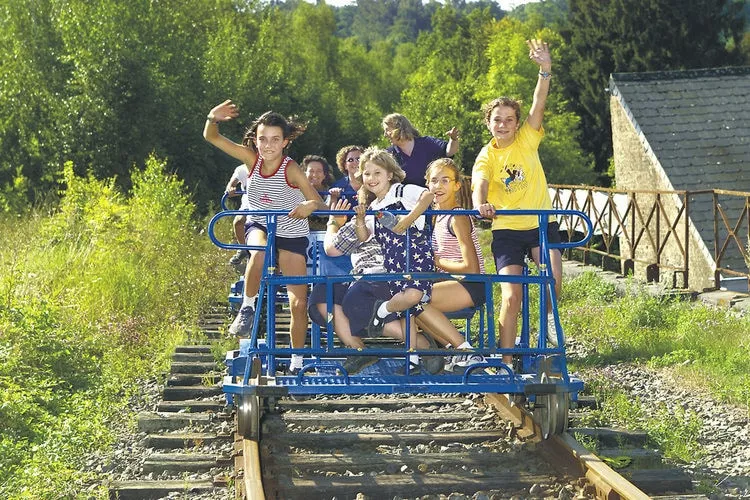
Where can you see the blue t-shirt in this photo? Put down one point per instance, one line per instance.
(348, 191)
(426, 149)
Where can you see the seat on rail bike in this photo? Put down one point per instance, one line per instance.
(539, 372)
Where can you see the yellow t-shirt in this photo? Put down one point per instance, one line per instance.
(516, 178)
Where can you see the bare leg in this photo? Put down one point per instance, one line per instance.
(512, 294)
(239, 228)
(556, 261)
(404, 300)
(293, 264)
(436, 324)
(450, 296)
(254, 269)
(341, 326)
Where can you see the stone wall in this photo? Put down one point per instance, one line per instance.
(636, 169)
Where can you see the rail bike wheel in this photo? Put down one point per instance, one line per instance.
(249, 407)
(551, 409)
(248, 417)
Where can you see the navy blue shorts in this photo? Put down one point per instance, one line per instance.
(510, 247)
(318, 296)
(357, 300)
(476, 292)
(294, 245)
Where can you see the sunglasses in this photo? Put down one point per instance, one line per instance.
(352, 160)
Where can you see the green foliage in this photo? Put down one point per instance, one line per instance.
(447, 90)
(92, 299)
(588, 287)
(703, 345)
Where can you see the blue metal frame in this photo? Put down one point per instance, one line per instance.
(324, 373)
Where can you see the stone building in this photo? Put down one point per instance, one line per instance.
(688, 133)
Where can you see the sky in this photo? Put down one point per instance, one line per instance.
(504, 4)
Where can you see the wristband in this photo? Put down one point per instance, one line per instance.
(212, 119)
(545, 75)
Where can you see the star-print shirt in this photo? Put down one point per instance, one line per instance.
(419, 258)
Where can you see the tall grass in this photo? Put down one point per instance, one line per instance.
(706, 346)
(93, 296)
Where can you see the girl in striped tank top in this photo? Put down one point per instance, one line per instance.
(456, 249)
(275, 182)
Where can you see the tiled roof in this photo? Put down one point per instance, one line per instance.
(695, 124)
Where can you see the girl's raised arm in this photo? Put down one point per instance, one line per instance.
(222, 113)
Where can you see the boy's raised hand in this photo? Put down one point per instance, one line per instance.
(539, 53)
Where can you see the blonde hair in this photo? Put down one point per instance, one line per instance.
(382, 159)
(463, 195)
(401, 126)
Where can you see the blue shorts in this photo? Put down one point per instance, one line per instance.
(510, 247)
(475, 289)
(294, 245)
(357, 300)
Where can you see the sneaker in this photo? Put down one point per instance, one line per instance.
(552, 332)
(463, 361)
(375, 327)
(433, 364)
(355, 364)
(413, 369)
(243, 322)
(238, 260)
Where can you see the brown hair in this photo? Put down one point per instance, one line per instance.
(502, 101)
(290, 127)
(342, 154)
(328, 180)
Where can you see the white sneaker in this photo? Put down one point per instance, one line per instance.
(552, 332)
(464, 361)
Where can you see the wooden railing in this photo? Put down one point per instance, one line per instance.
(653, 229)
(731, 231)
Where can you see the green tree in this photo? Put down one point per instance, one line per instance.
(609, 36)
(470, 60)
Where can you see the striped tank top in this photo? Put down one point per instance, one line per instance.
(445, 243)
(273, 192)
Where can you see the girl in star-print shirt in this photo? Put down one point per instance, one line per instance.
(382, 190)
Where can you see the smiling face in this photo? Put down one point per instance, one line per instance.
(270, 142)
(376, 179)
(316, 174)
(443, 184)
(503, 124)
(352, 162)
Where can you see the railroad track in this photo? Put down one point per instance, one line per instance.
(405, 446)
(378, 447)
(186, 444)
(383, 447)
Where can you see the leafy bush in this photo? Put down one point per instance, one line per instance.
(93, 298)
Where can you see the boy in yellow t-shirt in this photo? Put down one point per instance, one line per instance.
(508, 175)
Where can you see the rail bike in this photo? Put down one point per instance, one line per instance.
(538, 376)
